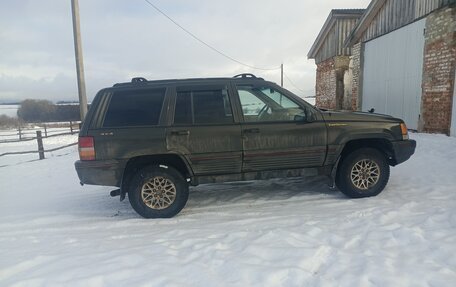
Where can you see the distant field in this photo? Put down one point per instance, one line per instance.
(9, 110)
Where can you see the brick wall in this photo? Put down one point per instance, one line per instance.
(330, 82)
(438, 71)
(325, 87)
(355, 71)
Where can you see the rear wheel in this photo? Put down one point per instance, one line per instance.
(157, 192)
(363, 173)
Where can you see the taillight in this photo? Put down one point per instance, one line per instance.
(86, 148)
(404, 131)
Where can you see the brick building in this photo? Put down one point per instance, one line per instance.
(333, 58)
(402, 62)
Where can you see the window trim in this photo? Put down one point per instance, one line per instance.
(99, 104)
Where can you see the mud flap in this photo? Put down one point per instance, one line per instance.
(332, 176)
(122, 195)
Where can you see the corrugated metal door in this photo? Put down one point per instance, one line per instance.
(392, 76)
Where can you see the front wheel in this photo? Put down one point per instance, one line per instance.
(157, 192)
(363, 173)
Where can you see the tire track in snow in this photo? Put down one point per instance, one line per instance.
(23, 266)
(318, 260)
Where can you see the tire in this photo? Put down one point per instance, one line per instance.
(158, 192)
(363, 173)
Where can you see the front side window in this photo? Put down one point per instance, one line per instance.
(279, 98)
(203, 107)
(251, 104)
(134, 108)
(264, 104)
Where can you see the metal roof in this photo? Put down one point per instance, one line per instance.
(329, 23)
(399, 13)
(370, 12)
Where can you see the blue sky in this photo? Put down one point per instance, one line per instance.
(126, 38)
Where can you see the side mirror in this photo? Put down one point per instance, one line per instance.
(306, 115)
(310, 116)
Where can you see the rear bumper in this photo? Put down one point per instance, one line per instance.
(403, 150)
(106, 172)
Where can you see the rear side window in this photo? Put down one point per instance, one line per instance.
(134, 108)
(203, 107)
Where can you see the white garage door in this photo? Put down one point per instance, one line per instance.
(392, 76)
(453, 115)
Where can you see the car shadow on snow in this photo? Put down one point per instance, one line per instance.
(248, 192)
(208, 197)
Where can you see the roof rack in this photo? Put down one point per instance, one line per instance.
(247, 76)
(138, 80)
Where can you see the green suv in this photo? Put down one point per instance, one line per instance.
(153, 139)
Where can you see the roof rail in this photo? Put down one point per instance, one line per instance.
(247, 76)
(138, 80)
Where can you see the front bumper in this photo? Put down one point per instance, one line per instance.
(403, 150)
(106, 172)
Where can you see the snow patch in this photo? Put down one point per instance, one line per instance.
(284, 232)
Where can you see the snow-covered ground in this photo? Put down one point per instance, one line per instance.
(292, 232)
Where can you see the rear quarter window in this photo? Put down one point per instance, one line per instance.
(134, 108)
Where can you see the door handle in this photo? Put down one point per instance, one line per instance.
(180, 133)
(251, 131)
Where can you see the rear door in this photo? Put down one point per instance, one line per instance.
(204, 130)
(278, 131)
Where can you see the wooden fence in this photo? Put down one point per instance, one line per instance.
(39, 138)
(24, 133)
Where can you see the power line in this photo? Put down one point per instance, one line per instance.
(293, 84)
(204, 43)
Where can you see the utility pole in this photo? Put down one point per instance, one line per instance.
(79, 61)
(281, 75)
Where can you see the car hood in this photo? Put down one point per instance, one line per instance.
(333, 115)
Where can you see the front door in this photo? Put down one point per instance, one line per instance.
(278, 131)
(204, 131)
